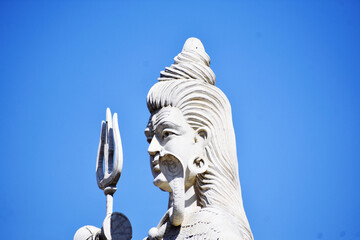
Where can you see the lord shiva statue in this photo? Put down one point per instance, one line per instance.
(192, 152)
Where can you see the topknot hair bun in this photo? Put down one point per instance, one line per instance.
(192, 63)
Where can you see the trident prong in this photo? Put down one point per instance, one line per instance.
(110, 155)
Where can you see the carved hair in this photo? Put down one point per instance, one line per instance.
(204, 105)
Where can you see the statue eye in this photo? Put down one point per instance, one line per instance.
(166, 134)
(149, 140)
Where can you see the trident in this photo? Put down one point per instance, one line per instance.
(110, 155)
(116, 225)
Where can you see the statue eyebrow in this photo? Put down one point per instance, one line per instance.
(165, 124)
(149, 132)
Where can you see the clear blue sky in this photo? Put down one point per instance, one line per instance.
(291, 70)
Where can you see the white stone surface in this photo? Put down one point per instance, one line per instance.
(193, 152)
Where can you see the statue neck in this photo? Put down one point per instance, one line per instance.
(191, 203)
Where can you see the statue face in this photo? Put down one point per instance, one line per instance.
(172, 146)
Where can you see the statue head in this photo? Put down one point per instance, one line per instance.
(191, 134)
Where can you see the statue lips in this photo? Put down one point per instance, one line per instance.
(155, 164)
(159, 179)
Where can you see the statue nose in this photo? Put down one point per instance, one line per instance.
(154, 147)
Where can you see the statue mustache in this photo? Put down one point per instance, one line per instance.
(173, 170)
(171, 164)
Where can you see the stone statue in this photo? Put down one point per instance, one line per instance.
(193, 152)
(192, 156)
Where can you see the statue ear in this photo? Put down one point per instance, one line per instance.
(200, 163)
(203, 136)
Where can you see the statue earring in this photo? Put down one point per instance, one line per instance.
(199, 165)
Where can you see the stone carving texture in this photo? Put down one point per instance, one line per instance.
(193, 152)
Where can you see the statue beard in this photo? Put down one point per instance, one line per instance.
(174, 172)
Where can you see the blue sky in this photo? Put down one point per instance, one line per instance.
(290, 69)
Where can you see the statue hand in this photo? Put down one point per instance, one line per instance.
(87, 233)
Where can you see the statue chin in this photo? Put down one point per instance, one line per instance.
(161, 182)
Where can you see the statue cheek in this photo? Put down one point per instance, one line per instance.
(179, 146)
(171, 146)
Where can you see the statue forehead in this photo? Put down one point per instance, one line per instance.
(167, 114)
